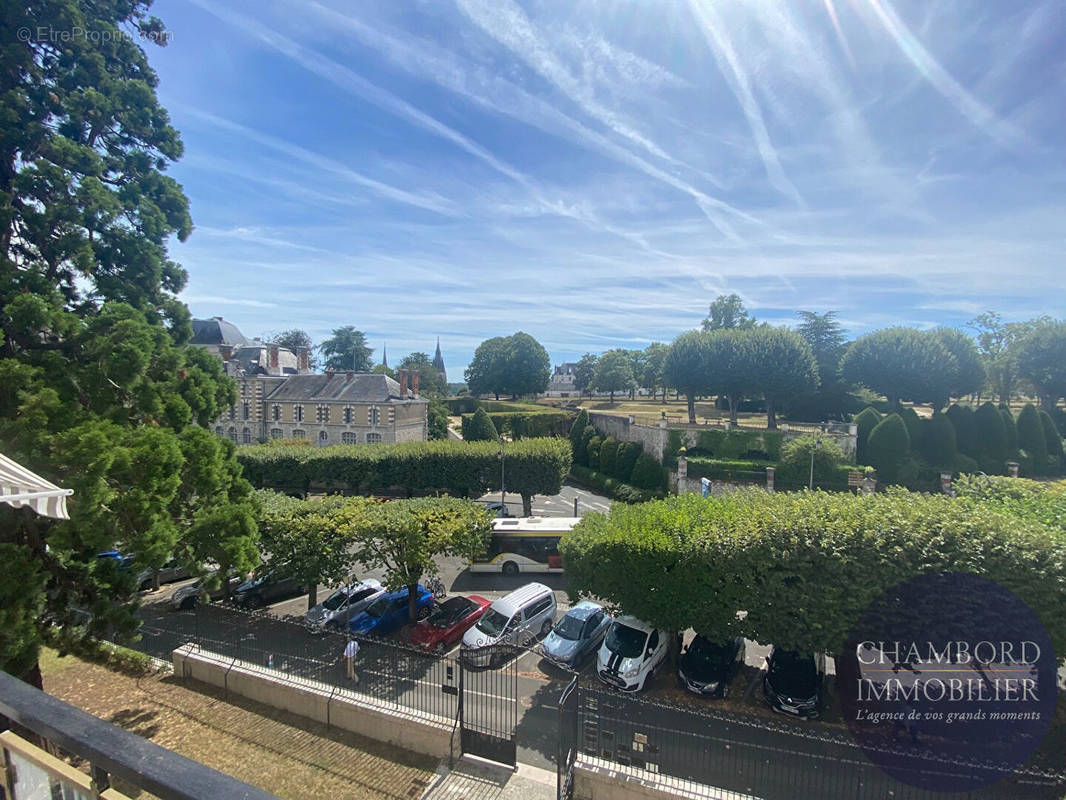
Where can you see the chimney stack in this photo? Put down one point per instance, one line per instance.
(272, 356)
(414, 382)
(225, 352)
(402, 375)
(303, 360)
(329, 374)
(349, 376)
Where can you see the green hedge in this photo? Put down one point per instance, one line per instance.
(649, 474)
(612, 487)
(468, 405)
(692, 562)
(528, 424)
(786, 476)
(479, 427)
(738, 443)
(462, 469)
(740, 471)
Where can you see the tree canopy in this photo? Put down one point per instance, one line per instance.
(727, 312)
(296, 340)
(1041, 360)
(803, 565)
(584, 372)
(430, 380)
(902, 364)
(686, 367)
(784, 366)
(614, 373)
(347, 349)
(99, 390)
(514, 365)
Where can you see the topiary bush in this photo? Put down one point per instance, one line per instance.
(1010, 428)
(478, 427)
(964, 465)
(965, 429)
(888, 445)
(577, 430)
(1053, 439)
(587, 436)
(608, 452)
(938, 441)
(648, 474)
(914, 426)
(593, 451)
(827, 453)
(626, 459)
(866, 420)
(991, 434)
(1032, 440)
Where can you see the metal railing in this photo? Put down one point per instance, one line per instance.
(389, 672)
(707, 753)
(30, 771)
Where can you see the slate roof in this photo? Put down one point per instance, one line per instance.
(216, 331)
(361, 387)
(254, 356)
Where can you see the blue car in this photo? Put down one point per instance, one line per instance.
(579, 633)
(389, 612)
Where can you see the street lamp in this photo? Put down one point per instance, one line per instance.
(815, 449)
(503, 491)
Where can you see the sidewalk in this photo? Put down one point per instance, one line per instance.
(474, 779)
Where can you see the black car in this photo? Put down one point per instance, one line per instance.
(266, 588)
(793, 683)
(707, 668)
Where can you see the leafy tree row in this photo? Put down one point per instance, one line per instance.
(803, 566)
(321, 540)
(462, 469)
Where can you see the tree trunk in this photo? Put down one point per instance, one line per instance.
(412, 601)
(497, 395)
(734, 401)
(691, 408)
(312, 596)
(612, 397)
(1047, 402)
(527, 505)
(664, 395)
(771, 415)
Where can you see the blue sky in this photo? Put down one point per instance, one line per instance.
(594, 172)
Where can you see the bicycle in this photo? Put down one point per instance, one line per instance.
(436, 586)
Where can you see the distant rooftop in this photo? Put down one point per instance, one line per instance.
(216, 331)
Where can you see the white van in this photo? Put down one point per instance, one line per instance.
(631, 653)
(517, 619)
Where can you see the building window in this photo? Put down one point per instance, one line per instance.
(244, 388)
(298, 413)
(323, 438)
(299, 434)
(322, 414)
(373, 438)
(348, 437)
(246, 411)
(276, 433)
(246, 436)
(218, 429)
(349, 415)
(232, 433)
(275, 412)
(375, 416)
(233, 412)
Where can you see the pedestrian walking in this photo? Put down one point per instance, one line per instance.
(351, 650)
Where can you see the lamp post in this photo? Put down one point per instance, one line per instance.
(815, 449)
(503, 491)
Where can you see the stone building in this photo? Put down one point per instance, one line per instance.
(562, 381)
(281, 398)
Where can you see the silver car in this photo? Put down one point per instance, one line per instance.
(172, 571)
(515, 619)
(343, 604)
(186, 597)
(577, 635)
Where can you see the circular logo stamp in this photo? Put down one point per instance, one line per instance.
(948, 682)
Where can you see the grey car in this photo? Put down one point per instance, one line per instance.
(172, 571)
(186, 597)
(577, 635)
(343, 604)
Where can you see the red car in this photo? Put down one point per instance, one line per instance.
(448, 622)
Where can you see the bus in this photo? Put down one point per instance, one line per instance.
(524, 545)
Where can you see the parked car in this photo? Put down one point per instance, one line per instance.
(172, 571)
(448, 622)
(707, 668)
(793, 683)
(390, 611)
(186, 597)
(337, 609)
(578, 634)
(631, 653)
(266, 587)
(498, 509)
(516, 618)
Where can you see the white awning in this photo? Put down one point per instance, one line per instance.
(20, 487)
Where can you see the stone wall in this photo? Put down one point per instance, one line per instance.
(625, 430)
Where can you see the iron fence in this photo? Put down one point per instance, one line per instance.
(711, 753)
(390, 672)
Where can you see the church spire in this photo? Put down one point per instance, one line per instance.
(438, 361)
(385, 355)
